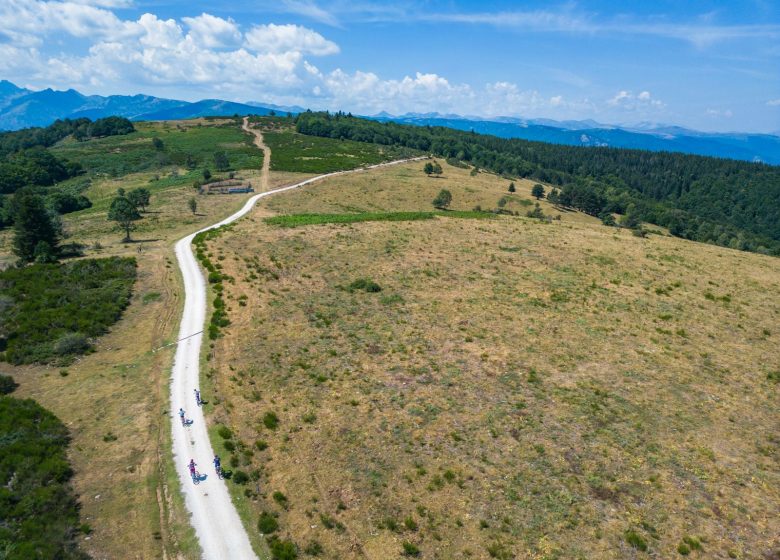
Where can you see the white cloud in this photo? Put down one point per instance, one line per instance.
(726, 113)
(273, 38)
(773, 102)
(627, 101)
(213, 32)
(310, 10)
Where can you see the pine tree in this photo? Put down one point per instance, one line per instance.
(33, 225)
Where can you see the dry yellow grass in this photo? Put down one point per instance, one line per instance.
(516, 390)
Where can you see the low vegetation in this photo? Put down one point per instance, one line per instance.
(300, 220)
(495, 388)
(308, 154)
(39, 514)
(52, 312)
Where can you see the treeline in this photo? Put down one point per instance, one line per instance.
(726, 202)
(26, 164)
(39, 514)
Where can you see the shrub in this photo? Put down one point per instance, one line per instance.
(267, 523)
(55, 308)
(282, 550)
(40, 515)
(309, 417)
(314, 548)
(240, 477)
(229, 445)
(280, 498)
(7, 384)
(364, 284)
(684, 549)
(270, 420)
(635, 540)
(261, 445)
(410, 549)
(224, 432)
(71, 343)
(410, 523)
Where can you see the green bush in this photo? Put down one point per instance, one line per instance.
(314, 548)
(7, 384)
(270, 420)
(410, 549)
(38, 511)
(282, 550)
(364, 284)
(267, 523)
(224, 432)
(240, 477)
(635, 540)
(229, 445)
(280, 498)
(54, 309)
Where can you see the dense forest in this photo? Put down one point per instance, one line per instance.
(726, 202)
(39, 514)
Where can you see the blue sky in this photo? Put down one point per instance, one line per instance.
(705, 65)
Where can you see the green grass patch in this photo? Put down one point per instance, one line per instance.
(300, 220)
(184, 146)
(312, 154)
(53, 310)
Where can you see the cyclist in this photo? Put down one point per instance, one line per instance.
(197, 397)
(218, 465)
(181, 415)
(192, 468)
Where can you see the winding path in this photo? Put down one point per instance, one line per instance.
(216, 522)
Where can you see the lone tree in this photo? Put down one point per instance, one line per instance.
(36, 231)
(537, 191)
(428, 168)
(206, 174)
(158, 144)
(140, 198)
(443, 199)
(221, 162)
(512, 187)
(433, 168)
(124, 213)
(437, 170)
(193, 204)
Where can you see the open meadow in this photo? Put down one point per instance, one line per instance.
(493, 387)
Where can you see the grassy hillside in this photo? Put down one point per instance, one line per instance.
(502, 388)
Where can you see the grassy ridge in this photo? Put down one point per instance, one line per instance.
(299, 220)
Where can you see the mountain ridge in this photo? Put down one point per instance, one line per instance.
(23, 108)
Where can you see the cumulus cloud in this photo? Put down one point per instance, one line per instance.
(628, 101)
(208, 56)
(773, 102)
(213, 32)
(281, 38)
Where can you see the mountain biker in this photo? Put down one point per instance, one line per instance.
(192, 468)
(181, 415)
(197, 397)
(217, 464)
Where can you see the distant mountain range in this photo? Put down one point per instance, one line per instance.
(21, 108)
